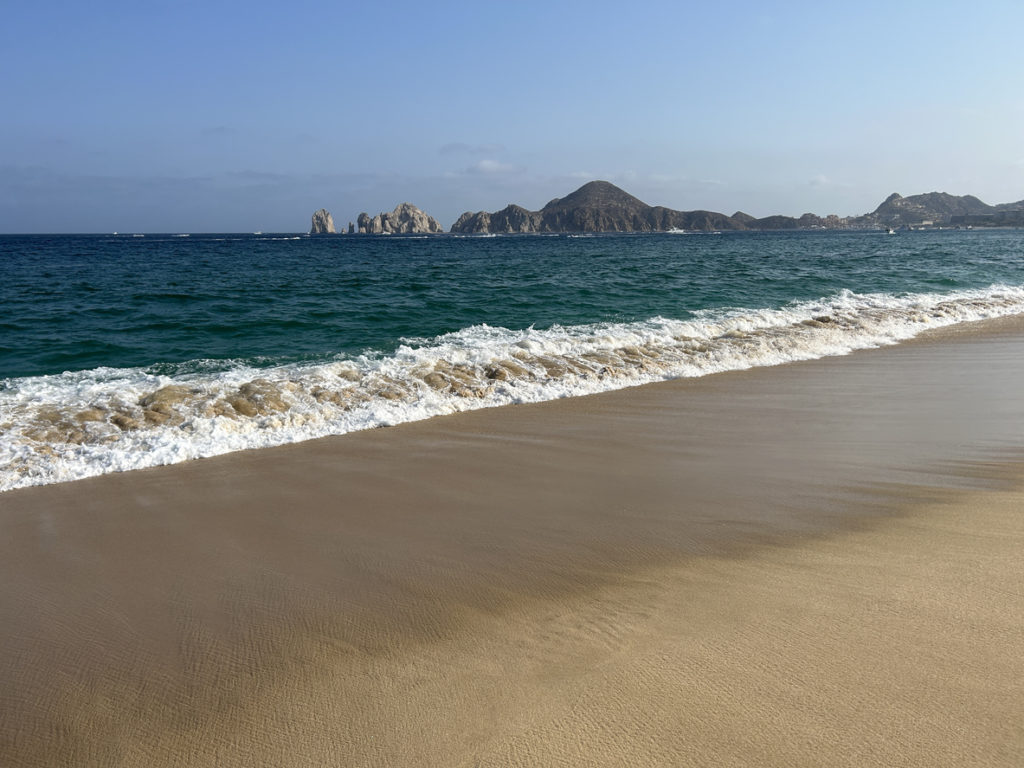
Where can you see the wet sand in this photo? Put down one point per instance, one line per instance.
(812, 564)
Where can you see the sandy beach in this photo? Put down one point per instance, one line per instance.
(811, 564)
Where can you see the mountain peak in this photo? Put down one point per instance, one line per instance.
(596, 194)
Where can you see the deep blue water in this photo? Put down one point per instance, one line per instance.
(80, 302)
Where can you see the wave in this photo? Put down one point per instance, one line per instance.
(79, 424)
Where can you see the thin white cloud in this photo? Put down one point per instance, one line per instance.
(821, 180)
(461, 148)
(488, 166)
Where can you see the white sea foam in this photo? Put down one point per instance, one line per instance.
(74, 425)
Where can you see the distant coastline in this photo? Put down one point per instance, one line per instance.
(600, 206)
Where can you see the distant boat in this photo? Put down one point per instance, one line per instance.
(890, 231)
(257, 233)
(675, 231)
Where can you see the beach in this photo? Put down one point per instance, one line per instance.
(814, 563)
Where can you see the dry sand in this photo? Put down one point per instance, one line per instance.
(816, 564)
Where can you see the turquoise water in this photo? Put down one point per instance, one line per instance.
(126, 351)
(73, 303)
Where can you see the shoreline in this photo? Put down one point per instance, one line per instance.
(87, 423)
(484, 586)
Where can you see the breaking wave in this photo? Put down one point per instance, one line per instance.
(79, 424)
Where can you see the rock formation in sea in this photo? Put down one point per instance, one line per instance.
(323, 224)
(405, 219)
(511, 218)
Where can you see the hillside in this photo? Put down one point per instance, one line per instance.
(598, 206)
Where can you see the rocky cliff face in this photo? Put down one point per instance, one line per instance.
(323, 224)
(511, 218)
(473, 223)
(367, 226)
(405, 219)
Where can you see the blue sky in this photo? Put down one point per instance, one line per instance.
(230, 116)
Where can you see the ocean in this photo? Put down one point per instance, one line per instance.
(120, 352)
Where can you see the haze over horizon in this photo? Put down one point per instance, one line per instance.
(188, 117)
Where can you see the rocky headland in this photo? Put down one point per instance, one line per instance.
(600, 206)
(405, 219)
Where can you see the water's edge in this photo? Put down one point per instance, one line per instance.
(79, 424)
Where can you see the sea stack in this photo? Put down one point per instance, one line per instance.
(323, 224)
(405, 219)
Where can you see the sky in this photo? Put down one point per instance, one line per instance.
(235, 117)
